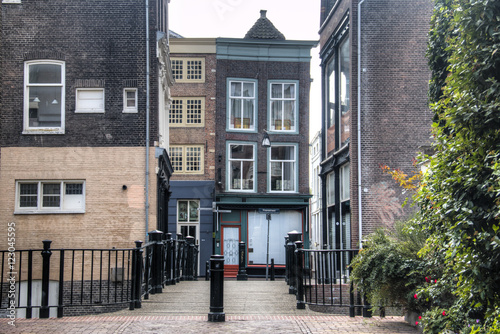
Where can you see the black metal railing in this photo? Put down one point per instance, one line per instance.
(321, 278)
(52, 282)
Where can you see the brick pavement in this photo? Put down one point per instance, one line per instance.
(250, 307)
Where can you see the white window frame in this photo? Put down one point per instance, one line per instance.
(126, 109)
(229, 127)
(44, 130)
(64, 198)
(184, 159)
(294, 128)
(98, 110)
(184, 112)
(188, 220)
(230, 187)
(294, 163)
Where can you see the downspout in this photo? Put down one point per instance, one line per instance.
(360, 207)
(147, 120)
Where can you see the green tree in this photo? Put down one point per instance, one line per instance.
(460, 195)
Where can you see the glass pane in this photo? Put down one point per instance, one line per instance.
(289, 115)
(51, 195)
(193, 211)
(276, 176)
(74, 189)
(235, 114)
(44, 73)
(276, 91)
(331, 189)
(28, 195)
(344, 92)
(248, 114)
(235, 175)
(241, 152)
(276, 115)
(235, 89)
(192, 231)
(289, 91)
(50, 189)
(248, 89)
(282, 153)
(247, 175)
(182, 211)
(44, 106)
(288, 176)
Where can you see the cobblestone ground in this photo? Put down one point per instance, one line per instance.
(249, 307)
(199, 324)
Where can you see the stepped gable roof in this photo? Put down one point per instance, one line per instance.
(264, 29)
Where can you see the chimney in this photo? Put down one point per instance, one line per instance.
(263, 13)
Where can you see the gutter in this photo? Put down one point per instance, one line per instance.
(146, 205)
(360, 207)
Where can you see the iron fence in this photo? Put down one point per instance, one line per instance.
(321, 279)
(53, 282)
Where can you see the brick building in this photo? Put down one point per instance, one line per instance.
(84, 122)
(263, 83)
(192, 141)
(375, 80)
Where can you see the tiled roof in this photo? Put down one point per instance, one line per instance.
(264, 29)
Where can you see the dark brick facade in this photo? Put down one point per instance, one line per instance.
(100, 41)
(264, 71)
(395, 118)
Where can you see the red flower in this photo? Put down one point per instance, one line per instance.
(415, 296)
(435, 281)
(416, 323)
(419, 317)
(427, 279)
(444, 313)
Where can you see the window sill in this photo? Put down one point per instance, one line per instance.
(129, 111)
(43, 131)
(47, 212)
(97, 111)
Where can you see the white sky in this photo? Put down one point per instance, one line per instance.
(296, 19)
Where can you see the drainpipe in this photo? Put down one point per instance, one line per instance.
(360, 207)
(147, 120)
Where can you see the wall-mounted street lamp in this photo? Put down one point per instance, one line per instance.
(266, 142)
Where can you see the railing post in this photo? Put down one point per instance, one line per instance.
(156, 261)
(287, 260)
(174, 262)
(293, 236)
(242, 273)
(217, 289)
(189, 258)
(138, 279)
(367, 313)
(180, 252)
(352, 311)
(196, 251)
(207, 271)
(46, 253)
(30, 281)
(168, 260)
(299, 261)
(60, 308)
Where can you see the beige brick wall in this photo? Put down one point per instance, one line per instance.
(113, 217)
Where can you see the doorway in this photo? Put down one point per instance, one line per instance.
(230, 244)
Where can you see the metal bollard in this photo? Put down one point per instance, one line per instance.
(242, 273)
(272, 270)
(207, 271)
(217, 289)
